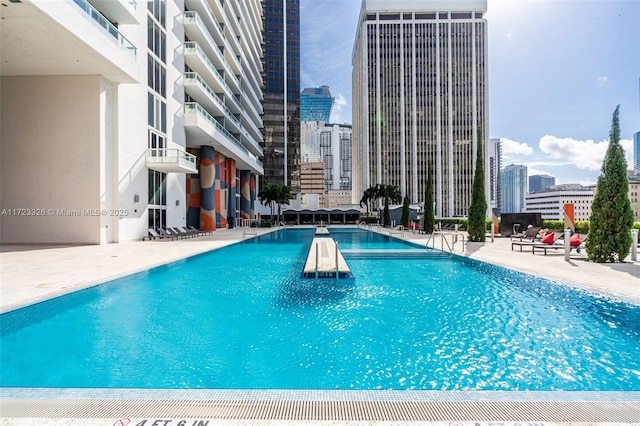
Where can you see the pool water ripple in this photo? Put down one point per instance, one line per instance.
(241, 317)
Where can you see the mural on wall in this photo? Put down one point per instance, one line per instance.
(207, 188)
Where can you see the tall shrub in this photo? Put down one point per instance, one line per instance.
(405, 212)
(429, 215)
(611, 220)
(478, 207)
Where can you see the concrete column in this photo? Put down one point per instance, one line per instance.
(634, 244)
(567, 244)
(207, 192)
(245, 194)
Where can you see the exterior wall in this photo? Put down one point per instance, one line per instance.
(551, 203)
(51, 161)
(492, 169)
(282, 93)
(538, 183)
(418, 102)
(634, 197)
(513, 182)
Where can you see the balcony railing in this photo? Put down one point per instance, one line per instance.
(171, 160)
(192, 107)
(192, 77)
(121, 40)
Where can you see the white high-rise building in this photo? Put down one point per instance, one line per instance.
(550, 202)
(492, 169)
(331, 145)
(420, 98)
(118, 116)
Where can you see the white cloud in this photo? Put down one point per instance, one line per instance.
(339, 103)
(510, 148)
(602, 80)
(532, 171)
(586, 155)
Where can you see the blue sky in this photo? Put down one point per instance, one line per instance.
(557, 70)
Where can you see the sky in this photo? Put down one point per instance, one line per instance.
(557, 71)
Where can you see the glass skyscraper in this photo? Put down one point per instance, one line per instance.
(513, 182)
(316, 104)
(538, 183)
(420, 98)
(281, 63)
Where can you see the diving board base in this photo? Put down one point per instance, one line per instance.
(325, 260)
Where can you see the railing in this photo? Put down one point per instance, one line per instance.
(192, 46)
(455, 236)
(121, 40)
(192, 16)
(163, 156)
(397, 230)
(195, 77)
(192, 107)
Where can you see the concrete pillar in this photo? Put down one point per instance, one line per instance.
(245, 194)
(634, 244)
(567, 244)
(207, 189)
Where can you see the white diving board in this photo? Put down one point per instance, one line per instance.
(321, 260)
(322, 231)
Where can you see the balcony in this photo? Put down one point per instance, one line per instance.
(107, 26)
(64, 38)
(202, 129)
(120, 11)
(198, 61)
(171, 161)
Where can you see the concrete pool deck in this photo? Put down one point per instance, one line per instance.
(33, 273)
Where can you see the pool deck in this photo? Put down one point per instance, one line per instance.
(29, 274)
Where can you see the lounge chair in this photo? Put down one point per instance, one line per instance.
(190, 232)
(528, 234)
(549, 242)
(200, 232)
(154, 235)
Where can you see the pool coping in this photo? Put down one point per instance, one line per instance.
(543, 407)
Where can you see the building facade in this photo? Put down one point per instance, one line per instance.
(551, 201)
(330, 144)
(513, 183)
(420, 98)
(124, 90)
(539, 183)
(281, 118)
(492, 169)
(316, 104)
(634, 196)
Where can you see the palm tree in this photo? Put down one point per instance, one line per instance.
(283, 196)
(370, 194)
(268, 196)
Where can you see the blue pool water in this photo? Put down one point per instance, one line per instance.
(241, 317)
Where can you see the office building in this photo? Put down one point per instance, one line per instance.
(316, 104)
(420, 98)
(538, 183)
(281, 93)
(513, 184)
(492, 169)
(101, 102)
(330, 144)
(550, 202)
(634, 196)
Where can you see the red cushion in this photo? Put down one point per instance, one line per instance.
(548, 239)
(575, 240)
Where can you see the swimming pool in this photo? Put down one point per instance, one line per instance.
(241, 317)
